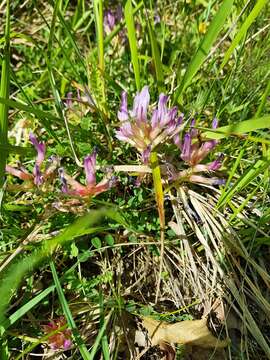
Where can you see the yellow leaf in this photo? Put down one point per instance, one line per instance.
(190, 332)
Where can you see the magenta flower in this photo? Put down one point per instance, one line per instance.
(37, 177)
(139, 131)
(72, 187)
(61, 339)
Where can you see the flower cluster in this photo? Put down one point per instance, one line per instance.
(72, 187)
(143, 133)
(62, 338)
(193, 152)
(37, 177)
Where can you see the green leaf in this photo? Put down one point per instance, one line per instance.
(243, 30)
(74, 250)
(96, 242)
(205, 46)
(131, 32)
(109, 239)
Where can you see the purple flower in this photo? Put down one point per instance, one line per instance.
(141, 132)
(192, 151)
(72, 187)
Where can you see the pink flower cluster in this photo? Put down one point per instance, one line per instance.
(62, 338)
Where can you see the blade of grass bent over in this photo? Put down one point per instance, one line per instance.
(4, 93)
(205, 46)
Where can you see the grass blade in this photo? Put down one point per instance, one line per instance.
(100, 336)
(238, 128)
(205, 46)
(4, 93)
(98, 11)
(263, 100)
(132, 42)
(156, 56)
(66, 310)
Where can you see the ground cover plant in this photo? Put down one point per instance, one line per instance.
(134, 173)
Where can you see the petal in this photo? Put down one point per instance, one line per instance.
(140, 105)
(40, 148)
(123, 111)
(198, 154)
(77, 189)
(63, 180)
(177, 141)
(186, 151)
(154, 119)
(215, 123)
(69, 100)
(23, 175)
(67, 344)
(169, 116)
(193, 132)
(38, 178)
(216, 164)
(172, 121)
(162, 107)
(89, 164)
(109, 20)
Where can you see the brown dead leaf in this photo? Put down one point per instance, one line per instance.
(191, 332)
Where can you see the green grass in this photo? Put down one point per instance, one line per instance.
(162, 247)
